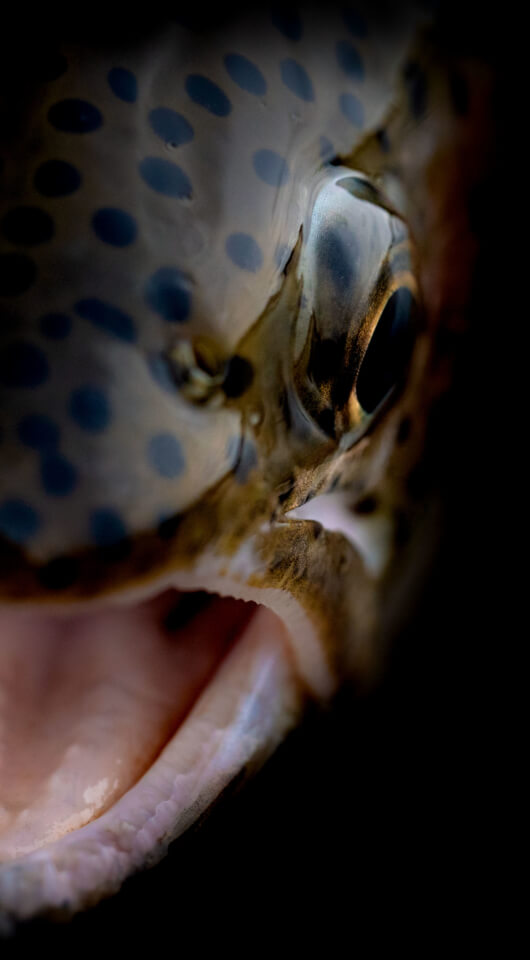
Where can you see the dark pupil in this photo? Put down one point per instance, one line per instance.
(388, 352)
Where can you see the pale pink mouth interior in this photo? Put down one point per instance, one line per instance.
(88, 701)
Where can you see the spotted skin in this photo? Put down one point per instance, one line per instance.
(160, 200)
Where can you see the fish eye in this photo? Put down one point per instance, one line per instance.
(387, 356)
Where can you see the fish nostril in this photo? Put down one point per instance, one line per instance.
(238, 377)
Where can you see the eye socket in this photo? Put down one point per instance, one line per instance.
(389, 350)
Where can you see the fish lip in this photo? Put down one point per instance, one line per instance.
(32, 885)
(218, 738)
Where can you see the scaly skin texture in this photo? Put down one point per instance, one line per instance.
(189, 302)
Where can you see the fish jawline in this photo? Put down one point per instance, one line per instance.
(255, 695)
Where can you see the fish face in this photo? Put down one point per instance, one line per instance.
(213, 340)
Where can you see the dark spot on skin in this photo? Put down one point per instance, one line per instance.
(75, 116)
(352, 108)
(168, 293)
(187, 606)
(167, 528)
(459, 92)
(416, 84)
(297, 80)
(404, 430)
(239, 375)
(165, 177)
(58, 574)
(349, 60)
(107, 317)
(246, 74)
(366, 505)
(123, 84)
(208, 94)
(170, 126)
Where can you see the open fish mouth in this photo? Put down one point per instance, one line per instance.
(121, 723)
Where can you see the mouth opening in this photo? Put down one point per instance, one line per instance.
(89, 701)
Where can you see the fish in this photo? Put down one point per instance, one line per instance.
(227, 265)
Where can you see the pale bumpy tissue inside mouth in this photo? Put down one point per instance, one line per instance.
(87, 702)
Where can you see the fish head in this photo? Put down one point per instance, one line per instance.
(215, 359)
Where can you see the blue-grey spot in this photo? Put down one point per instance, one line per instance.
(17, 273)
(123, 84)
(246, 74)
(58, 475)
(170, 126)
(23, 365)
(18, 521)
(355, 22)
(165, 455)
(165, 177)
(208, 95)
(271, 167)
(298, 81)
(167, 293)
(352, 109)
(327, 150)
(107, 317)
(350, 60)
(56, 178)
(90, 409)
(114, 226)
(107, 527)
(244, 251)
(75, 116)
(161, 371)
(38, 432)
(56, 326)
(287, 20)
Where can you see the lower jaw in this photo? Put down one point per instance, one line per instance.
(121, 727)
